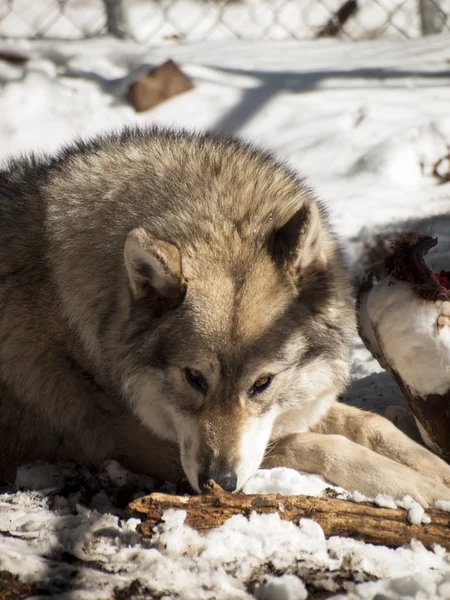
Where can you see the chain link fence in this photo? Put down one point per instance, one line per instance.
(154, 21)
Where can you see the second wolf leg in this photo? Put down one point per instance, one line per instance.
(354, 467)
(383, 437)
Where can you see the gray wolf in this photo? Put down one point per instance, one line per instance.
(180, 303)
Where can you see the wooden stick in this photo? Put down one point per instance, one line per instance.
(361, 521)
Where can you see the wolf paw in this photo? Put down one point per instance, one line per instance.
(429, 464)
(440, 492)
(428, 491)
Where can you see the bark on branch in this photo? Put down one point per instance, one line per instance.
(360, 521)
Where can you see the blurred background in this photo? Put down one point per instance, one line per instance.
(151, 21)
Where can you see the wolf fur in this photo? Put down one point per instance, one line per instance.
(179, 303)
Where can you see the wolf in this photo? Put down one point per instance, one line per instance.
(179, 303)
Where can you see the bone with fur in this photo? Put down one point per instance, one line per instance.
(180, 303)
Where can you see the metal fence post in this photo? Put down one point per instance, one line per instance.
(432, 18)
(116, 18)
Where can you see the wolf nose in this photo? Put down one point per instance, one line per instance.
(226, 479)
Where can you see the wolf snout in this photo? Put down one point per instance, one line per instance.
(226, 478)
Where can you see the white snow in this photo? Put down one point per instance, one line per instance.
(287, 481)
(416, 513)
(116, 473)
(443, 505)
(108, 553)
(365, 123)
(285, 587)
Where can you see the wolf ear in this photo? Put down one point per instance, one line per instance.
(301, 242)
(154, 269)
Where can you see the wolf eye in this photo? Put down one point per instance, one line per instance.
(260, 385)
(196, 380)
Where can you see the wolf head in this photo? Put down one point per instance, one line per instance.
(245, 328)
(223, 308)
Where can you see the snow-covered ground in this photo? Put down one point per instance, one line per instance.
(366, 123)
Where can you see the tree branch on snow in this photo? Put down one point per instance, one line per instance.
(361, 521)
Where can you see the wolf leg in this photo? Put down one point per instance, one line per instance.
(354, 467)
(380, 435)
